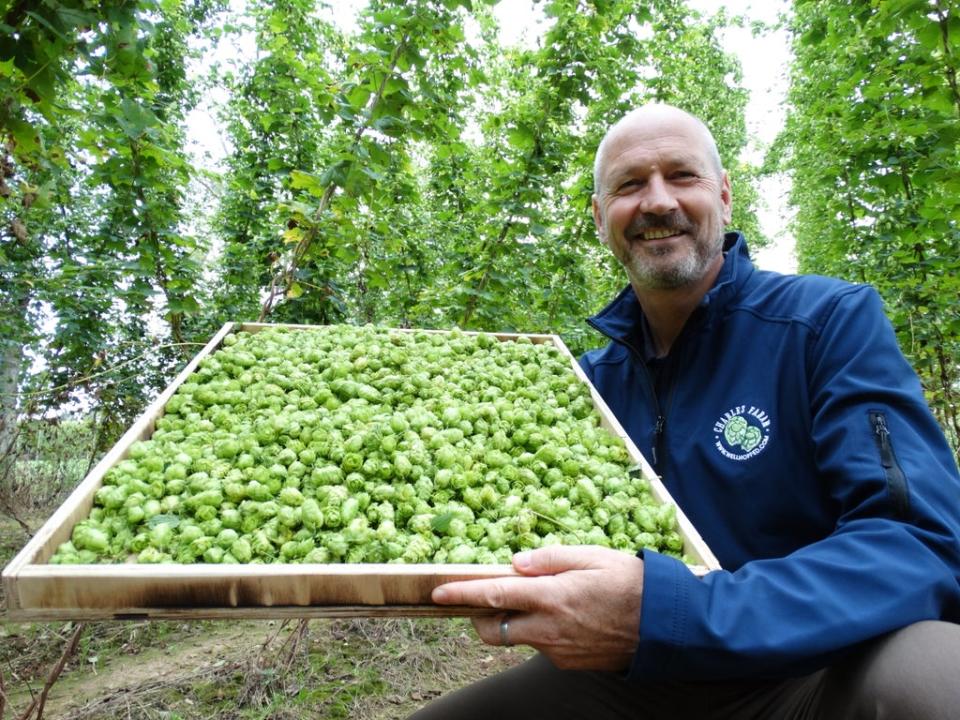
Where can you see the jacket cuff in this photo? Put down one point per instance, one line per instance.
(663, 616)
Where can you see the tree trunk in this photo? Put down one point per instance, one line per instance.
(11, 364)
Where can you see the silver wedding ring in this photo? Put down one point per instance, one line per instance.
(505, 633)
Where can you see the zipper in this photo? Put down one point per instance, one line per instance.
(657, 430)
(896, 478)
(660, 417)
(679, 353)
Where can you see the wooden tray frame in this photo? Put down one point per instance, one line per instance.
(39, 592)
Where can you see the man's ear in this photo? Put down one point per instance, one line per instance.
(726, 197)
(598, 219)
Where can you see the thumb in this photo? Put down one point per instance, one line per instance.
(555, 559)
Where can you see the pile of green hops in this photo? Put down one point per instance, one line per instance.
(360, 444)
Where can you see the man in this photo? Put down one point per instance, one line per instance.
(788, 426)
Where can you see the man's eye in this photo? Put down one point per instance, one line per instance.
(628, 184)
(683, 175)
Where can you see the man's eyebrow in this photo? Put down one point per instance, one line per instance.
(682, 160)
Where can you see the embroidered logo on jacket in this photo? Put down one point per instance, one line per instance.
(742, 432)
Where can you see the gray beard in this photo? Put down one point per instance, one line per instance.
(687, 269)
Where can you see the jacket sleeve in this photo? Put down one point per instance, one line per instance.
(892, 558)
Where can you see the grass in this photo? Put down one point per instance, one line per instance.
(362, 669)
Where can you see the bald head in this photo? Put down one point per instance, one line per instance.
(661, 199)
(649, 119)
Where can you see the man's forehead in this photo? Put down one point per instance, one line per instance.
(657, 126)
(636, 153)
(656, 120)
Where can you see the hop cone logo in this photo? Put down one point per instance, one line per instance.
(738, 432)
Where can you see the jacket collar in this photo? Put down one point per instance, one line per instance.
(622, 320)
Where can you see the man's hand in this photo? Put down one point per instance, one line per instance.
(579, 606)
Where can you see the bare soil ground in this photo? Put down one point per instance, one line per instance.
(324, 669)
(370, 670)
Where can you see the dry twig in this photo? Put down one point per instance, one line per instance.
(68, 652)
(270, 638)
(3, 695)
(267, 671)
(294, 640)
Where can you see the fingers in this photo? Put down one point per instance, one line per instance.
(538, 567)
(586, 615)
(492, 631)
(521, 629)
(556, 559)
(498, 629)
(540, 633)
(507, 593)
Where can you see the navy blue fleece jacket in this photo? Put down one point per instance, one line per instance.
(790, 429)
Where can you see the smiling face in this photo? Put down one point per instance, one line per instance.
(662, 200)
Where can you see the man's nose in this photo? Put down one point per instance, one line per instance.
(657, 198)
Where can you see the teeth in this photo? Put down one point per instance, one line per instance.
(657, 234)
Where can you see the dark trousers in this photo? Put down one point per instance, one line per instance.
(912, 674)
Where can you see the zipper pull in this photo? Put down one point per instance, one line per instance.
(657, 434)
(897, 488)
(880, 426)
(883, 434)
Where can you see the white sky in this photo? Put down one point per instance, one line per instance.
(765, 62)
(764, 59)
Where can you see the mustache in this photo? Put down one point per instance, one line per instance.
(675, 221)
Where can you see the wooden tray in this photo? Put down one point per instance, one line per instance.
(37, 591)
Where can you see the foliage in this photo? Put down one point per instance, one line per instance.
(48, 459)
(415, 172)
(449, 184)
(411, 171)
(94, 96)
(873, 143)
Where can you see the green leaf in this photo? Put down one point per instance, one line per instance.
(76, 18)
(135, 118)
(929, 36)
(520, 137)
(172, 520)
(441, 523)
(294, 291)
(185, 304)
(277, 24)
(48, 25)
(336, 174)
(300, 180)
